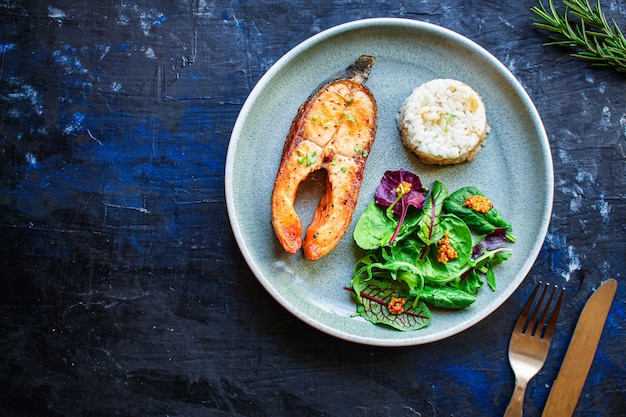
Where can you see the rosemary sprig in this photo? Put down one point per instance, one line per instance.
(584, 28)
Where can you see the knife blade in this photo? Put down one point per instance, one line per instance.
(569, 383)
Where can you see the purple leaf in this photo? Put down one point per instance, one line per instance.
(400, 190)
(386, 193)
(492, 241)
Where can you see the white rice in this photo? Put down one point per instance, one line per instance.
(444, 122)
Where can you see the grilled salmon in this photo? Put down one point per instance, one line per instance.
(333, 130)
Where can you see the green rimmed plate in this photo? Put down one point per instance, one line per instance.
(515, 159)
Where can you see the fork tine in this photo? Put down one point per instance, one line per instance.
(520, 325)
(538, 326)
(554, 317)
(530, 324)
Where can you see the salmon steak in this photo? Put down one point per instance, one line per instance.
(333, 130)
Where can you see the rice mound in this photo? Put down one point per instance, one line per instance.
(444, 122)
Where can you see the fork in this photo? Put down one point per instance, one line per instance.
(530, 343)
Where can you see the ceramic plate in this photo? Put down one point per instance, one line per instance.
(514, 168)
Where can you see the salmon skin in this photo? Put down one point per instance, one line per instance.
(333, 130)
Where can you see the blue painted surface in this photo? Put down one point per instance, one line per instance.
(123, 291)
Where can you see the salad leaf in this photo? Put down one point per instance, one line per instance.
(492, 241)
(397, 191)
(484, 264)
(406, 257)
(429, 230)
(386, 194)
(409, 249)
(482, 223)
(460, 239)
(445, 297)
(470, 282)
(381, 265)
(373, 305)
(491, 278)
(375, 229)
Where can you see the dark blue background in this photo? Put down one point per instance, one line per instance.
(123, 292)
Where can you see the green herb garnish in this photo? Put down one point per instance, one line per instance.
(317, 118)
(586, 29)
(348, 116)
(448, 117)
(309, 158)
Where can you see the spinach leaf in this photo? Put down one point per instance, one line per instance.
(375, 229)
(409, 224)
(445, 297)
(460, 239)
(428, 228)
(408, 249)
(482, 223)
(471, 281)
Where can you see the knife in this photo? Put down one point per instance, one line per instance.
(569, 383)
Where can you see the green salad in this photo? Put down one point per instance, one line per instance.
(424, 247)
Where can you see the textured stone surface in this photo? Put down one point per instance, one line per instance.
(123, 292)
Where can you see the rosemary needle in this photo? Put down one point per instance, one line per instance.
(586, 29)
